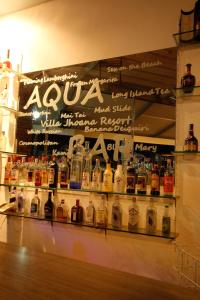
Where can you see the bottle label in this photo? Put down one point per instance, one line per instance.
(44, 177)
(86, 180)
(37, 178)
(119, 184)
(151, 221)
(74, 219)
(166, 225)
(130, 182)
(133, 217)
(34, 207)
(48, 212)
(63, 177)
(155, 182)
(90, 215)
(168, 184)
(100, 217)
(30, 176)
(51, 176)
(116, 217)
(107, 181)
(141, 183)
(96, 179)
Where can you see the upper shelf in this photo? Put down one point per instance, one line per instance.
(186, 38)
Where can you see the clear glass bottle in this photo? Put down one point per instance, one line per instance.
(21, 198)
(166, 221)
(49, 207)
(64, 172)
(77, 213)
(133, 215)
(155, 181)
(191, 142)
(107, 185)
(76, 169)
(14, 175)
(116, 213)
(90, 213)
(86, 177)
(35, 204)
(23, 175)
(96, 176)
(188, 80)
(2, 141)
(101, 213)
(151, 217)
(119, 179)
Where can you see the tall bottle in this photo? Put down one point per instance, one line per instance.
(155, 181)
(116, 213)
(107, 185)
(35, 204)
(90, 213)
(191, 142)
(131, 178)
(168, 181)
(8, 167)
(119, 179)
(141, 185)
(76, 169)
(96, 176)
(166, 221)
(87, 166)
(77, 213)
(151, 217)
(53, 172)
(49, 207)
(133, 215)
(101, 213)
(188, 80)
(21, 198)
(64, 172)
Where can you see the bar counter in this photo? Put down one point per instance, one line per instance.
(29, 275)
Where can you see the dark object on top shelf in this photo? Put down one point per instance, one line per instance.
(188, 80)
(197, 21)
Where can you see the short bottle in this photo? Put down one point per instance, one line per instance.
(61, 212)
(96, 176)
(107, 185)
(151, 217)
(49, 207)
(116, 214)
(168, 181)
(191, 142)
(90, 213)
(166, 221)
(133, 215)
(77, 213)
(101, 213)
(188, 80)
(119, 179)
(35, 204)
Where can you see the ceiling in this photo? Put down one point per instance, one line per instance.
(11, 6)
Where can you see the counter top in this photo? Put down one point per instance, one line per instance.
(39, 276)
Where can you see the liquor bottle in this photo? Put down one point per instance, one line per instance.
(2, 141)
(14, 174)
(23, 174)
(197, 21)
(133, 215)
(13, 194)
(155, 181)
(4, 96)
(44, 171)
(53, 172)
(166, 221)
(90, 213)
(191, 142)
(87, 167)
(7, 174)
(107, 178)
(116, 213)
(141, 184)
(168, 181)
(151, 217)
(64, 173)
(37, 172)
(77, 213)
(30, 172)
(101, 213)
(49, 207)
(35, 204)
(76, 169)
(61, 213)
(21, 198)
(131, 178)
(7, 63)
(119, 182)
(162, 171)
(188, 80)
(96, 176)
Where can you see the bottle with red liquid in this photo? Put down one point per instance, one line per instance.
(7, 63)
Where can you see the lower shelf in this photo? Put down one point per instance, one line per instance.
(141, 231)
